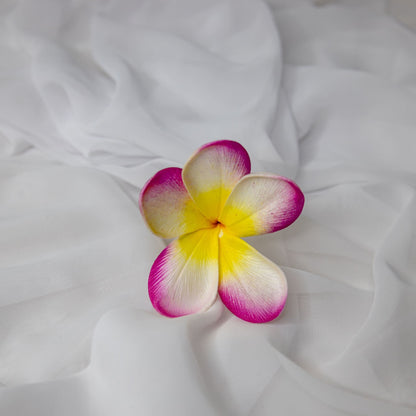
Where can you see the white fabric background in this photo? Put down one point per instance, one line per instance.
(96, 96)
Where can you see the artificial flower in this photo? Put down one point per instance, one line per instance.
(207, 207)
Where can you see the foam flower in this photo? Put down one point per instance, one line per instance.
(207, 207)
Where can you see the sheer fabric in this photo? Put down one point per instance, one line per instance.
(96, 96)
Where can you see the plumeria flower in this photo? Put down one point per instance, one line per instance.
(208, 206)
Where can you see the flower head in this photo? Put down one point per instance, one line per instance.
(207, 206)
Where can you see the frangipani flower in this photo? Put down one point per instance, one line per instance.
(208, 206)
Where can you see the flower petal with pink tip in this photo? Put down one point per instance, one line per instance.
(212, 172)
(167, 206)
(260, 204)
(251, 286)
(184, 277)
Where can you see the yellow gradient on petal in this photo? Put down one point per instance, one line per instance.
(167, 207)
(182, 217)
(240, 261)
(212, 200)
(184, 278)
(200, 247)
(235, 254)
(239, 220)
(193, 218)
(261, 203)
(250, 285)
(211, 174)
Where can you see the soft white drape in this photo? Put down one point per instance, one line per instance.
(96, 96)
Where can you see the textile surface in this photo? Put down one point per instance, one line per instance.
(96, 96)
